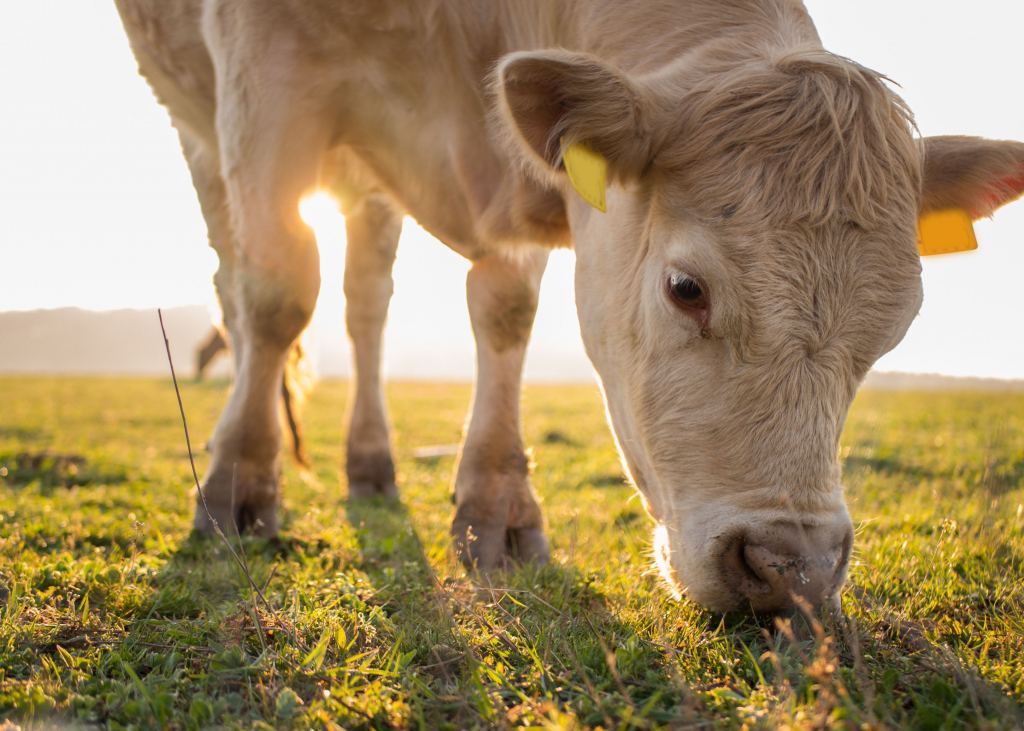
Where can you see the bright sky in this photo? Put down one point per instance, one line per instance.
(97, 209)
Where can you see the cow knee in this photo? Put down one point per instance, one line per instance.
(277, 309)
(502, 295)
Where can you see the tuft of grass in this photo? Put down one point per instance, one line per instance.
(113, 615)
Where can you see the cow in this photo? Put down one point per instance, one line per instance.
(209, 348)
(746, 245)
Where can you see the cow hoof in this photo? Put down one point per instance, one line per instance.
(529, 545)
(239, 498)
(361, 489)
(370, 474)
(262, 521)
(496, 548)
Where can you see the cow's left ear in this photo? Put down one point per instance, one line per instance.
(972, 173)
(551, 100)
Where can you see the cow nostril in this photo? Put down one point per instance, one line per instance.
(790, 575)
(741, 575)
(775, 574)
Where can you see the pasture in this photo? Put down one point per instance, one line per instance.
(114, 615)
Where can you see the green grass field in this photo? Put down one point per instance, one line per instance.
(114, 615)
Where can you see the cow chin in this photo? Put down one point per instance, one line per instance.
(765, 561)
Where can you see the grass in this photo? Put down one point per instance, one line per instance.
(114, 615)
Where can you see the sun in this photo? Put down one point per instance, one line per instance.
(319, 210)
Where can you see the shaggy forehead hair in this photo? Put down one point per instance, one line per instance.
(805, 168)
(805, 165)
(803, 135)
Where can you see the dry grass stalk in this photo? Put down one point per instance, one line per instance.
(202, 498)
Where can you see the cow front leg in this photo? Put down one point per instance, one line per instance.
(497, 517)
(373, 228)
(272, 135)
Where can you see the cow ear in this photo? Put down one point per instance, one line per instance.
(973, 173)
(551, 100)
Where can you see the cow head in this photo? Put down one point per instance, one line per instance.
(758, 255)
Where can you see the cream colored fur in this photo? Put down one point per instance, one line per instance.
(786, 179)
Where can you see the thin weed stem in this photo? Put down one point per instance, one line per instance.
(202, 497)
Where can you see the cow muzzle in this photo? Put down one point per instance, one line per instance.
(786, 564)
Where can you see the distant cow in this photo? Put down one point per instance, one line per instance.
(758, 253)
(212, 345)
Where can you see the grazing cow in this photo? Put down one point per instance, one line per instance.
(758, 251)
(213, 345)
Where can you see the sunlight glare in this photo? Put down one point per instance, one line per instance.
(319, 210)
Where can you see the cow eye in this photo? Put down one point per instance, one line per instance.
(687, 291)
(690, 295)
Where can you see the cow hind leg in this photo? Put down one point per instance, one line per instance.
(497, 517)
(204, 165)
(272, 136)
(373, 228)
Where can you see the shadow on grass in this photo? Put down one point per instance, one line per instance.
(540, 632)
(51, 469)
(199, 576)
(379, 524)
(940, 680)
(996, 475)
(889, 466)
(476, 646)
(201, 573)
(21, 433)
(607, 480)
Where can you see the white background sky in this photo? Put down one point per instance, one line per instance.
(97, 209)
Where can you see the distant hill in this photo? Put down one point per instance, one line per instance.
(71, 340)
(894, 381)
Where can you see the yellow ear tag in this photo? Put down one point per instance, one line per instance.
(588, 173)
(945, 232)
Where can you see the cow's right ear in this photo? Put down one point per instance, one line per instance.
(551, 100)
(972, 173)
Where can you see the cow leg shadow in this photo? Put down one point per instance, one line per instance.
(384, 532)
(453, 620)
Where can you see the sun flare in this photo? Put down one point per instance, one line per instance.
(320, 210)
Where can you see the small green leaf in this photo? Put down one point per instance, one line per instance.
(317, 654)
(202, 711)
(135, 679)
(288, 703)
(163, 706)
(66, 656)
